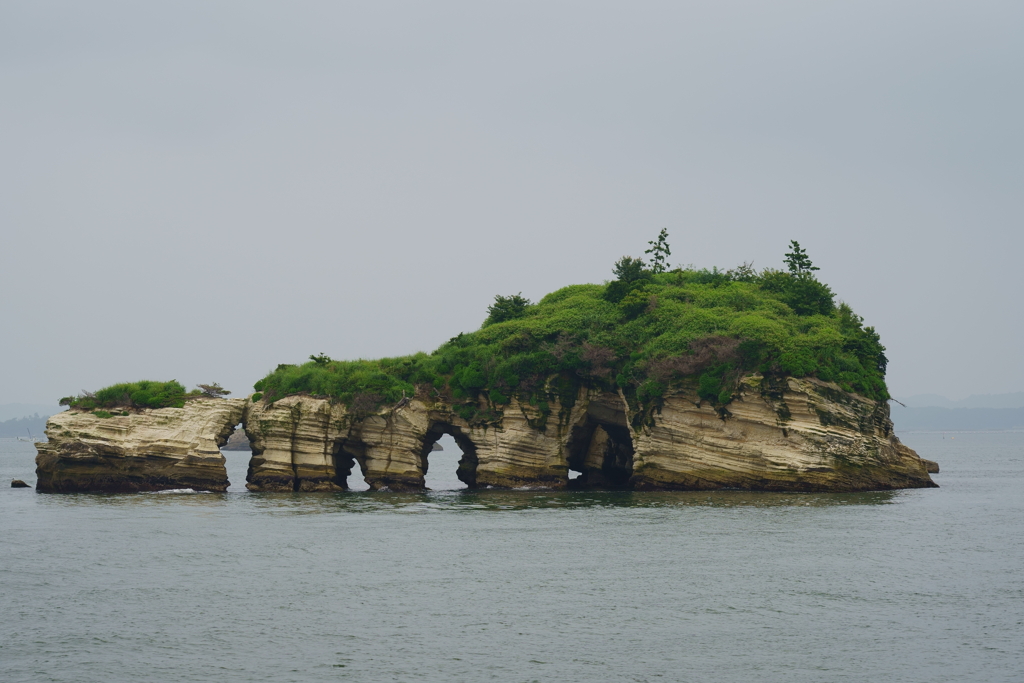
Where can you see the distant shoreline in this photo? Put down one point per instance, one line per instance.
(959, 431)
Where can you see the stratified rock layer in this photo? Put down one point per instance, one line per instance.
(794, 434)
(790, 435)
(308, 444)
(151, 450)
(293, 444)
(776, 435)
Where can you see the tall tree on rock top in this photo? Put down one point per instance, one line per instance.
(798, 261)
(659, 252)
(800, 290)
(507, 308)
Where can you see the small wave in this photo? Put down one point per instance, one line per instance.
(179, 491)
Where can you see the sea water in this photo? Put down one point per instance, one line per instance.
(918, 585)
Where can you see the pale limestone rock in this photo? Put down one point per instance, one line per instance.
(150, 450)
(515, 453)
(805, 435)
(305, 443)
(293, 444)
(788, 435)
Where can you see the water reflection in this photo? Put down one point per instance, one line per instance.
(465, 501)
(468, 501)
(20, 459)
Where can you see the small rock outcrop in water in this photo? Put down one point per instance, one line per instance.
(18, 484)
(238, 441)
(148, 450)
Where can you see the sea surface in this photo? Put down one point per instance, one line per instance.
(920, 585)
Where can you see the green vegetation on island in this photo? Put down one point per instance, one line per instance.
(650, 331)
(139, 395)
(647, 332)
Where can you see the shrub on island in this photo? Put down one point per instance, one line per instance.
(139, 395)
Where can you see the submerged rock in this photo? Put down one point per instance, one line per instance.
(148, 450)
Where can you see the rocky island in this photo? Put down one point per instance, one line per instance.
(657, 380)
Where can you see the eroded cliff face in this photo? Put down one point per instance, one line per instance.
(293, 444)
(308, 444)
(151, 450)
(790, 435)
(777, 435)
(802, 435)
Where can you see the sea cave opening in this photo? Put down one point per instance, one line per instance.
(448, 459)
(600, 453)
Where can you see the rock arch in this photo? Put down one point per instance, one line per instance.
(469, 462)
(349, 459)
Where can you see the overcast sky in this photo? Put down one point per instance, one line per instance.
(203, 190)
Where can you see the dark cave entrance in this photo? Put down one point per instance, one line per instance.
(453, 467)
(600, 450)
(347, 455)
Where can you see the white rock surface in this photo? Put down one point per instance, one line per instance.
(149, 450)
